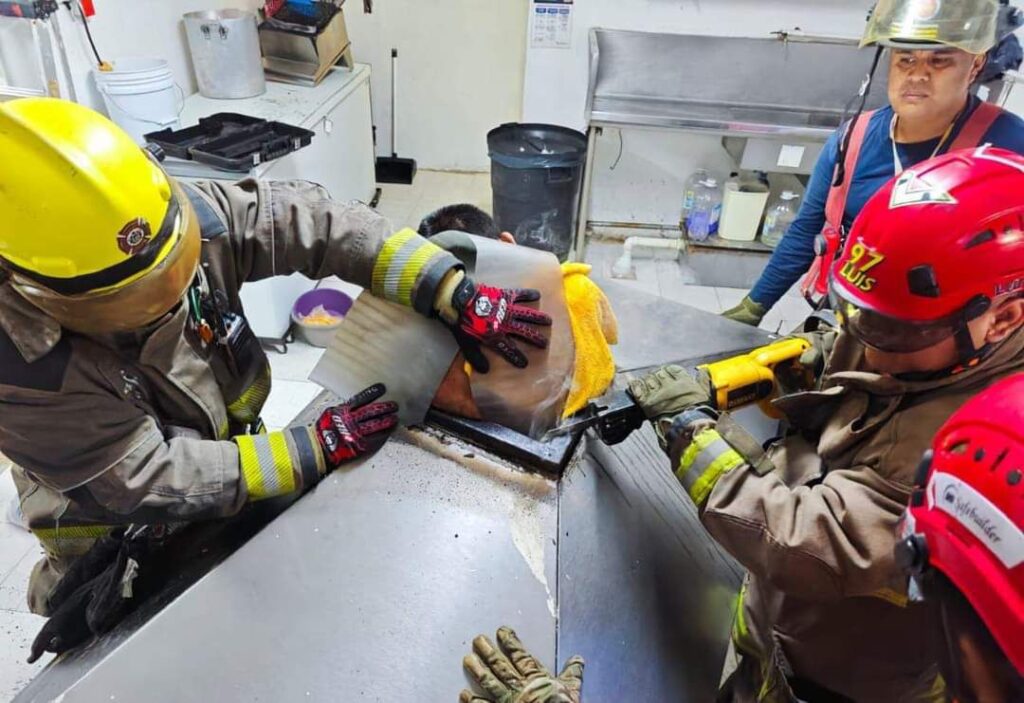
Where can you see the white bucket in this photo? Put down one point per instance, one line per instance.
(141, 96)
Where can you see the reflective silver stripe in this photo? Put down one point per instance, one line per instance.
(268, 467)
(688, 476)
(393, 276)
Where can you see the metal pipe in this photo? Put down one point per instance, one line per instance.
(623, 268)
(633, 225)
(583, 211)
(651, 243)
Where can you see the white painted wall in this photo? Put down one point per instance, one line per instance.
(646, 184)
(127, 28)
(460, 74)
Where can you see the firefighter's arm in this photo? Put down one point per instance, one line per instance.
(113, 459)
(281, 227)
(831, 540)
(823, 541)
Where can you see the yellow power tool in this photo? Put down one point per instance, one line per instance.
(754, 377)
(738, 381)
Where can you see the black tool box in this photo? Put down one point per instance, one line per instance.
(232, 142)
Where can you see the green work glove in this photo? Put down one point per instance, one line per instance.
(805, 374)
(822, 342)
(748, 312)
(665, 393)
(512, 675)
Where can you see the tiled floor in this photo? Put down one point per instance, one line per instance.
(19, 551)
(404, 206)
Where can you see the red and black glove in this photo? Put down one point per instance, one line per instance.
(491, 317)
(357, 427)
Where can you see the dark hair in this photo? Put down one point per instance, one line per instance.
(460, 218)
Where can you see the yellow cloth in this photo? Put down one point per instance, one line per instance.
(594, 328)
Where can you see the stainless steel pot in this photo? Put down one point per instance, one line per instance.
(225, 50)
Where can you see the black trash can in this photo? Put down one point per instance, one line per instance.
(536, 174)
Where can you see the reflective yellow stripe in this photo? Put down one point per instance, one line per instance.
(387, 252)
(282, 462)
(399, 263)
(266, 464)
(246, 408)
(72, 532)
(740, 631)
(70, 541)
(938, 692)
(891, 596)
(701, 442)
(704, 461)
(747, 648)
(250, 463)
(728, 461)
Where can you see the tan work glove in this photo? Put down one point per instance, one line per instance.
(513, 675)
(822, 341)
(666, 392)
(807, 372)
(748, 312)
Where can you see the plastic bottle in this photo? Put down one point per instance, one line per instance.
(707, 209)
(690, 194)
(780, 216)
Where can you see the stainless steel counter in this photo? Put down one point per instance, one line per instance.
(372, 586)
(753, 86)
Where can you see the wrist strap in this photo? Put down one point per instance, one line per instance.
(737, 437)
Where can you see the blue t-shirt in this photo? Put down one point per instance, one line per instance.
(794, 254)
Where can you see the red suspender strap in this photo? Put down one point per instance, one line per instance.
(976, 127)
(835, 205)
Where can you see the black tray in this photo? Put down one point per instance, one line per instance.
(178, 143)
(231, 142)
(251, 147)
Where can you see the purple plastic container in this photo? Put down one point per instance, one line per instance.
(334, 301)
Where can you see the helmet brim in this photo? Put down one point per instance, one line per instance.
(887, 333)
(133, 305)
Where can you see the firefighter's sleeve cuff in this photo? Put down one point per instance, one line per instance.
(409, 269)
(705, 461)
(278, 463)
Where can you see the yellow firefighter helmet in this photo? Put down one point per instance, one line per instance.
(92, 231)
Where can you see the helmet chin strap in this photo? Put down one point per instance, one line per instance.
(968, 360)
(968, 355)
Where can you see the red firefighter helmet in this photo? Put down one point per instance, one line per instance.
(966, 516)
(931, 251)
